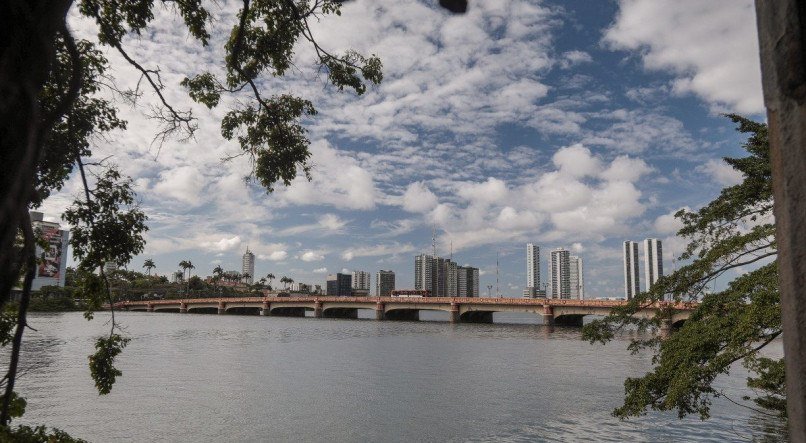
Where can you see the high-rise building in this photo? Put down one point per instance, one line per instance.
(653, 261)
(435, 274)
(559, 274)
(384, 283)
(632, 282)
(532, 270)
(248, 267)
(467, 281)
(52, 260)
(361, 280)
(451, 278)
(339, 285)
(577, 277)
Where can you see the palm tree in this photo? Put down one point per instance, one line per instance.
(245, 276)
(149, 265)
(284, 280)
(270, 277)
(218, 271)
(290, 281)
(190, 268)
(186, 266)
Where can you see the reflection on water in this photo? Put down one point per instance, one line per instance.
(249, 378)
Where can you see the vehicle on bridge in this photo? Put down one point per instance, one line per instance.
(411, 293)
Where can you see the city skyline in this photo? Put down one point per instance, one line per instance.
(511, 160)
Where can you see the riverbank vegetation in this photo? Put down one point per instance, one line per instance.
(732, 237)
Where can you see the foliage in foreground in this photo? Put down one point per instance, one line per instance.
(732, 235)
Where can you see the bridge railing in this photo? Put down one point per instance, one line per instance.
(406, 300)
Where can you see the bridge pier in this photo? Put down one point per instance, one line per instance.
(222, 308)
(317, 309)
(455, 317)
(379, 311)
(548, 315)
(265, 310)
(183, 308)
(150, 308)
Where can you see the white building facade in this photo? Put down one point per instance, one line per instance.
(560, 273)
(653, 261)
(577, 277)
(361, 280)
(632, 281)
(248, 266)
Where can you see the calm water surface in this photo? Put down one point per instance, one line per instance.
(191, 378)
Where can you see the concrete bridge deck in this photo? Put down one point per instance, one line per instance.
(461, 309)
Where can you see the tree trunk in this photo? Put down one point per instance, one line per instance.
(782, 41)
(28, 31)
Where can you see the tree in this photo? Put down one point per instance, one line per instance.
(149, 265)
(270, 277)
(732, 233)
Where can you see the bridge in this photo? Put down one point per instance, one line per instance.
(562, 312)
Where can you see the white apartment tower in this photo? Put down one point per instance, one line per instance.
(559, 274)
(361, 280)
(576, 277)
(532, 269)
(653, 261)
(248, 266)
(632, 282)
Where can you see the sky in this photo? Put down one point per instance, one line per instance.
(569, 123)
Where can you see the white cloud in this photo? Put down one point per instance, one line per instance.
(667, 224)
(328, 223)
(711, 46)
(274, 256)
(184, 184)
(418, 198)
(576, 161)
(585, 197)
(721, 172)
(337, 180)
(377, 250)
(224, 244)
(320, 271)
(573, 58)
(311, 256)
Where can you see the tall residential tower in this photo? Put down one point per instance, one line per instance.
(248, 266)
(532, 270)
(653, 261)
(560, 274)
(632, 282)
(577, 277)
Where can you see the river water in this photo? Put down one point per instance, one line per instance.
(196, 378)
